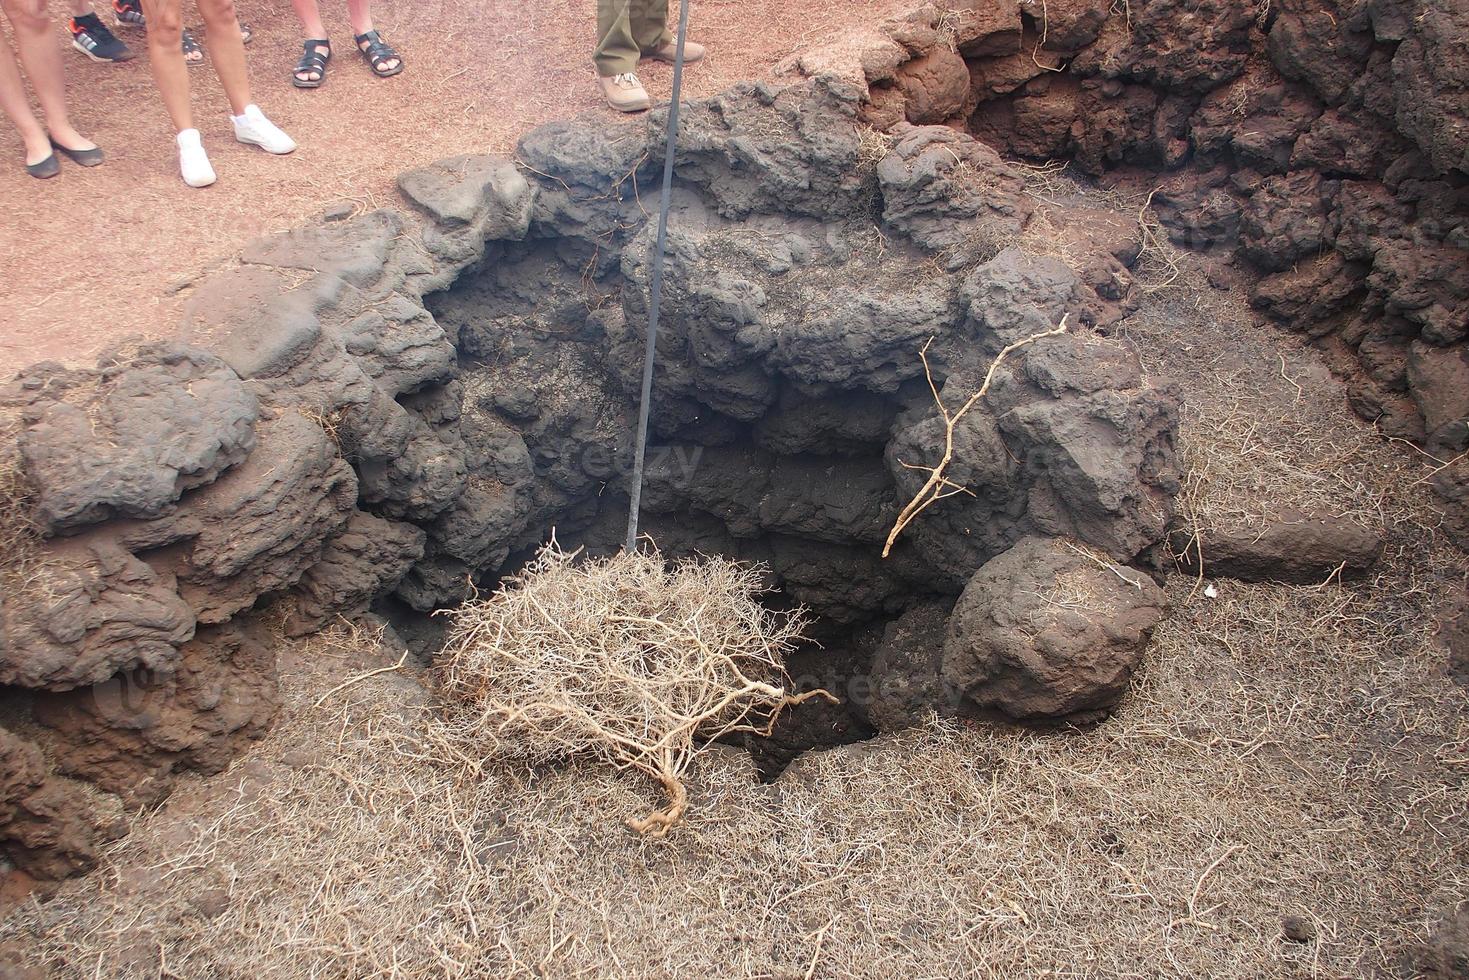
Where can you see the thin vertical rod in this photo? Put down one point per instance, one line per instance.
(656, 299)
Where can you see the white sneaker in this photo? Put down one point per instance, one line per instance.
(253, 128)
(193, 161)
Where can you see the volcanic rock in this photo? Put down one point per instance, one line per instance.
(1047, 631)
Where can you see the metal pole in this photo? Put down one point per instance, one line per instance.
(656, 299)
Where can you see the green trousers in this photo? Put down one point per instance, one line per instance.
(626, 30)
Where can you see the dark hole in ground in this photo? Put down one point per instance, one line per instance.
(838, 667)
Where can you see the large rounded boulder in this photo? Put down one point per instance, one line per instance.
(1049, 630)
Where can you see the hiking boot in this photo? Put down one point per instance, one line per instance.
(92, 38)
(691, 52)
(625, 93)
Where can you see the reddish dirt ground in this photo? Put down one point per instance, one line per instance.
(97, 255)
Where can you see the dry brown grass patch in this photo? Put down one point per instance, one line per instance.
(330, 422)
(20, 535)
(1286, 751)
(1160, 265)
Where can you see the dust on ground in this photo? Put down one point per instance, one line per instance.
(96, 255)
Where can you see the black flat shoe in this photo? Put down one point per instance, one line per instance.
(47, 168)
(83, 158)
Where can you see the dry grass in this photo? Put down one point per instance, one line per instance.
(18, 531)
(330, 422)
(1264, 422)
(1285, 753)
(629, 659)
(872, 145)
(1052, 230)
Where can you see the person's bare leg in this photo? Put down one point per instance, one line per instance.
(166, 57)
(360, 13)
(227, 51)
(308, 12)
(41, 57)
(81, 8)
(13, 102)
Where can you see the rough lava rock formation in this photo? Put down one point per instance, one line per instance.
(1322, 146)
(379, 410)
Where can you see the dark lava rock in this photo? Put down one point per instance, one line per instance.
(1431, 81)
(906, 676)
(89, 610)
(951, 194)
(128, 438)
(258, 529)
(1047, 632)
(1298, 929)
(936, 86)
(1445, 956)
(369, 558)
(1285, 545)
(1438, 378)
(1074, 442)
(469, 189)
(44, 819)
(1286, 219)
(1182, 44)
(1071, 25)
(132, 733)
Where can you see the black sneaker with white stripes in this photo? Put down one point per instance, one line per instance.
(92, 38)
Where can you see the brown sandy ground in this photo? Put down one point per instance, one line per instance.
(96, 255)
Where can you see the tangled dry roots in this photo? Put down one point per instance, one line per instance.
(630, 659)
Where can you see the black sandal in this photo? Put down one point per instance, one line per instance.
(378, 53)
(191, 46)
(312, 60)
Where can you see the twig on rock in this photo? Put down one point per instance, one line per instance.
(938, 486)
(1136, 584)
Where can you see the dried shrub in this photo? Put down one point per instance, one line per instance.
(630, 659)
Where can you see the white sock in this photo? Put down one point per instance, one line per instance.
(244, 117)
(194, 164)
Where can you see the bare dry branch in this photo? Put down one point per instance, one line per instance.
(937, 487)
